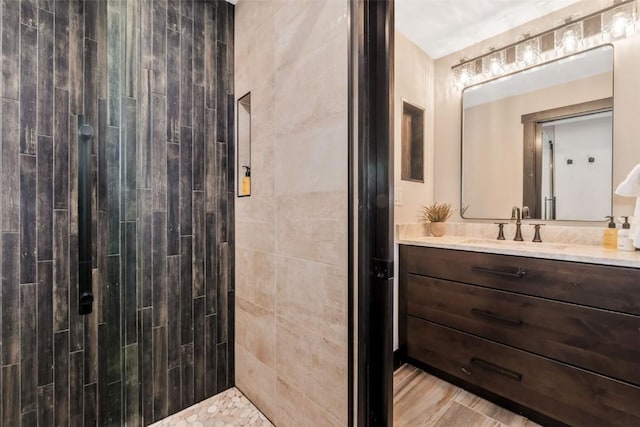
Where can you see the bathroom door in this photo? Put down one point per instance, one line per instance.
(375, 213)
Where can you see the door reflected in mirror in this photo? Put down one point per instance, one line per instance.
(541, 138)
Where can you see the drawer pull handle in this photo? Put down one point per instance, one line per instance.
(497, 369)
(494, 316)
(517, 275)
(465, 371)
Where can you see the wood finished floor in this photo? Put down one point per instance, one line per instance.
(420, 399)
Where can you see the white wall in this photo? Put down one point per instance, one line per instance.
(413, 82)
(578, 141)
(414, 77)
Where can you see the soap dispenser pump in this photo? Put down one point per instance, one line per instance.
(610, 235)
(624, 240)
(246, 181)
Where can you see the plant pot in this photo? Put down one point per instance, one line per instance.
(437, 229)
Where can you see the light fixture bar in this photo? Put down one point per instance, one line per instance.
(568, 23)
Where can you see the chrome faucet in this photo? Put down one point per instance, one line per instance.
(515, 214)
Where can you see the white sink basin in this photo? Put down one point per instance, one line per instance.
(514, 244)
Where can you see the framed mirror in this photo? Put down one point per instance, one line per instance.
(541, 138)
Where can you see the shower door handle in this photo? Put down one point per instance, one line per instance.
(85, 287)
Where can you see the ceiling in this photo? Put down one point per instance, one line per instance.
(441, 27)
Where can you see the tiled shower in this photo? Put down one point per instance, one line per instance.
(154, 79)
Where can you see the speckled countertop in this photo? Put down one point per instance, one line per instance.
(558, 251)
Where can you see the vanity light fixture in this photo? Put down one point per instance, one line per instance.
(574, 35)
(528, 52)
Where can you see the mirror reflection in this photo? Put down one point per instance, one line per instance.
(541, 138)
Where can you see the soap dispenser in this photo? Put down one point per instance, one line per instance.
(246, 181)
(610, 237)
(624, 240)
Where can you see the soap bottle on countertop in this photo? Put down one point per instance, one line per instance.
(624, 240)
(246, 181)
(610, 237)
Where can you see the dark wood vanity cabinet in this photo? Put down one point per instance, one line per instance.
(559, 338)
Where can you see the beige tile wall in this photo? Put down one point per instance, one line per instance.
(291, 234)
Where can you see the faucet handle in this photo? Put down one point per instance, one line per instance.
(536, 236)
(500, 230)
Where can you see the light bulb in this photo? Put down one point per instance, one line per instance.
(495, 67)
(464, 78)
(529, 56)
(569, 41)
(619, 25)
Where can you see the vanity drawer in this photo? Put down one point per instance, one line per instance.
(602, 341)
(613, 288)
(562, 392)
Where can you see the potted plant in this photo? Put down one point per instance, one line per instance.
(436, 214)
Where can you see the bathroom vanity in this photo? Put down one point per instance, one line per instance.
(549, 331)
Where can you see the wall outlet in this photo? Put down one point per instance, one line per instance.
(397, 196)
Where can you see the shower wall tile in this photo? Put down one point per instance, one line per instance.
(44, 198)
(174, 403)
(11, 342)
(45, 326)
(45, 405)
(90, 400)
(61, 45)
(173, 86)
(11, 395)
(10, 36)
(45, 73)
(173, 311)
(199, 137)
(186, 376)
(186, 71)
(145, 249)
(159, 152)
(153, 79)
(160, 373)
(146, 364)
(198, 244)
(61, 378)
(199, 349)
(76, 57)
(186, 181)
(159, 267)
(10, 165)
(91, 344)
(61, 150)
(75, 388)
(28, 99)
(28, 348)
(27, 219)
(186, 291)
(159, 28)
(145, 141)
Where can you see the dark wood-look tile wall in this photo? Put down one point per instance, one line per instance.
(154, 78)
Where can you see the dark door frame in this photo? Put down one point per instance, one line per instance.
(371, 135)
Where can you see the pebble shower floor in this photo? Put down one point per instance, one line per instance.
(227, 409)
